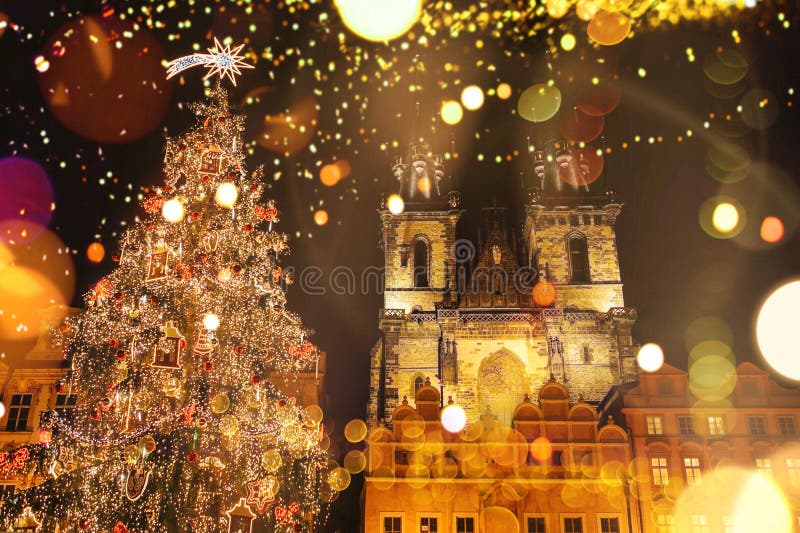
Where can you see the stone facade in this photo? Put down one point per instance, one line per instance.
(467, 323)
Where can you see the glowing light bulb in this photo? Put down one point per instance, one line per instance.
(379, 20)
(395, 204)
(472, 97)
(451, 112)
(172, 210)
(777, 333)
(226, 195)
(454, 418)
(650, 357)
(725, 217)
(211, 322)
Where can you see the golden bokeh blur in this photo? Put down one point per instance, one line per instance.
(541, 449)
(355, 461)
(539, 103)
(771, 229)
(777, 333)
(725, 217)
(95, 252)
(504, 91)
(500, 520)
(722, 217)
(355, 430)
(609, 27)
(339, 479)
(290, 132)
(453, 418)
(567, 42)
(472, 97)
(379, 20)
(650, 357)
(451, 112)
(395, 204)
(320, 217)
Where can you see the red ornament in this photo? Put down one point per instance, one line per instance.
(281, 403)
(208, 366)
(192, 456)
(239, 350)
(236, 269)
(182, 344)
(203, 258)
(83, 523)
(121, 355)
(206, 179)
(60, 386)
(119, 527)
(95, 415)
(544, 293)
(247, 228)
(221, 120)
(115, 257)
(153, 300)
(63, 327)
(114, 343)
(182, 147)
(196, 216)
(255, 379)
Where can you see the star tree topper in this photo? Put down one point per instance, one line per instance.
(221, 60)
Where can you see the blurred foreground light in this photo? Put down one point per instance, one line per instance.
(772, 229)
(172, 210)
(504, 91)
(211, 322)
(725, 217)
(541, 449)
(2, 409)
(650, 357)
(355, 430)
(321, 217)
(454, 418)
(472, 97)
(379, 20)
(567, 42)
(451, 112)
(226, 195)
(41, 63)
(777, 333)
(95, 252)
(395, 204)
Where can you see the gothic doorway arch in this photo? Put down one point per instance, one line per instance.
(502, 383)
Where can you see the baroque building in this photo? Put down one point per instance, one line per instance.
(462, 316)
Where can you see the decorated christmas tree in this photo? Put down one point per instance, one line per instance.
(180, 362)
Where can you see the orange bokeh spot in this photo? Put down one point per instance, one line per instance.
(609, 28)
(541, 449)
(95, 252)
(321, 217)
(329, 175)
(544, 293)
(772, 229)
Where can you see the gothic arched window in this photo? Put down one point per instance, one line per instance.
(578, 258)
(587, 356)
(420, 250)
(418, 383)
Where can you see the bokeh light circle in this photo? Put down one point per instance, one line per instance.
(26, 191)
(395, 204)
(567, 42)
(320, 217)
(211, 322)
(504, 91)
(771, 229)
(226, 195)
(172, 210)
(472, 97)
(101, 87)
(777, 334)
(379, 20)
(539, 103)
(609, 27)
(355, 430)
(577, 126)
(95, 252)
(725, 217)
(454, 418)
(650, 357)
(759, 109)
(722, 217)
(451, 112)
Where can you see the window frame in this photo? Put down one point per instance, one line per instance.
(783, 420)
(473, 516)
(669, 523)
(696, 477)
(663, 470)
(692, 431)
(793, 471)
(545, 516)
(607, 516)
(16, 409)
(763, 465)
(424, 242)
(717, 428)
(703, 527)
(757, 421)
(658, 424)
(430, 514)
(564, 516)
(391, 514)
(584, 251)
(61, 408)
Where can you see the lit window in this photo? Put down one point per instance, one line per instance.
(786, 425)
(536, 524)
(665, 523)
(573, 525)
(699, 523)
(18, 412)
(764, 465)
(392, 524)
(659, 468)
(716, 425)
(655, 425)
(609, 525)
(729, 524)
(64, 402)
(793, 468)
(691, 466)
(428, 524)
(757, 425)
(686, 425)
(465, 524)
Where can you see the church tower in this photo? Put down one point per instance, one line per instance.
(459, 318)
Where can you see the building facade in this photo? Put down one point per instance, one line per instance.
(462, 315)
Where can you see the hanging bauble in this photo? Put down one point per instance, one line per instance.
(147, 444)
(114, 344)
(239, 350)
(121, 355)
(192, 456)
(229, 426)
(131, 454)
(172, 387)
(271, 460)
(95, 415)
(255, 379)
(220, 403)
(544, 293)
(208, 366)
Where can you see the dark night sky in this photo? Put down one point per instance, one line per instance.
(673, 271)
